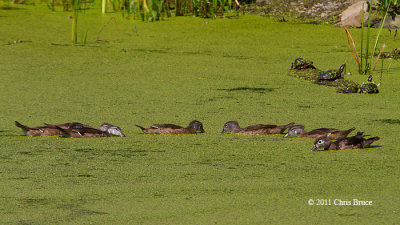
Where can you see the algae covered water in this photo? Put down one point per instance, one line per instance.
(175, 71)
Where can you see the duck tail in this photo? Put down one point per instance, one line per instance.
(23, 127)
(287, 126)
(366, 143)
(142, 128)
(284, 127)
(290, 125)
(350, 130)
(65, 132)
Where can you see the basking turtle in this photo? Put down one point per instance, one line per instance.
(330, 75)
(301, 64)
(369, 88)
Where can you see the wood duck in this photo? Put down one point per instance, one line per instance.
(38, 131)
(73, 125)
(354, 142)
(317, 133)
(83, 132)
(193, 128)
(234, 128)
(111, 129)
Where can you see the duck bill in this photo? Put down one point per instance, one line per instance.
(286, 135)
(314, 148)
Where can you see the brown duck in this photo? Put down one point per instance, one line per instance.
(193, 128)
(73, 125)
(234, 128)
(317, 133)
(105, 127)
(83, 132)
(354, 142)
(38, 131)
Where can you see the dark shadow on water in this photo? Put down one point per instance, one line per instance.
(18, 178)
(85, 175)
(35, 201)
(251, 89)
(25, 153)
(216, 98)
(152, 50)
(349, 214)
(389, 121)
(79, 210)
(304, 106)
(6, 7)
(84, 149)
(374, 146)
(3, 133)
(370, 147)
(236, 57)
(198, 53)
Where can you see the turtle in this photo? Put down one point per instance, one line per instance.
(369, 88)
(330, 75)
(300, 64)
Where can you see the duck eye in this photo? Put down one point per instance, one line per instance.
(320, 141)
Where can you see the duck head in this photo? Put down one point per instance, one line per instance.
(321, 142)
(295, 130)
(230, 126)
(197, 125)
(111, 129)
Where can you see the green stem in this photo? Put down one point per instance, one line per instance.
(379, 33)
(362, 34)
(103, 6)
(367, 47)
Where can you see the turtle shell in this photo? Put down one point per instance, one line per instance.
(328, 75)
(332, 74)
(300, 64)
(369, 88)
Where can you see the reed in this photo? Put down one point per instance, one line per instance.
(76, 4)
(365, 61)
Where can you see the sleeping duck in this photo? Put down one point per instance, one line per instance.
(320, 132)
(234, 128)
(355, 142)
(193, 128)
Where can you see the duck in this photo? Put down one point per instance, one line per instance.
(83, 132)
(73, 125)
(39, 130)
(194, 127)
(354, 142)
(317, 133)
(234, 128)
(111, 129)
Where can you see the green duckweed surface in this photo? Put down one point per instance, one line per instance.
(175, 71)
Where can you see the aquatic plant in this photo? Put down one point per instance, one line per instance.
(365, 61)
(154, 10)
(105, 25)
